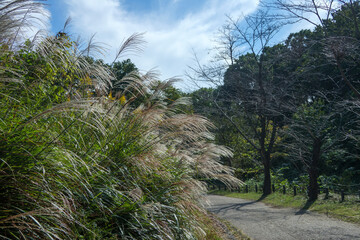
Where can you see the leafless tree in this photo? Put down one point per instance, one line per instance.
(251, 90)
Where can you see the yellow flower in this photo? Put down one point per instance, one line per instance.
(110, 96)
(122, 99)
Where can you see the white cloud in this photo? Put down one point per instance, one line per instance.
(170, 42)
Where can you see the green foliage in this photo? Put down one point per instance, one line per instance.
(250, 174)
(121, 70)
(76, 163)
(305, 88)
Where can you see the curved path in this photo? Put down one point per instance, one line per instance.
(262, 222)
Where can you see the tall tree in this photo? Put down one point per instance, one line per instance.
(313, 131)
(249, 90)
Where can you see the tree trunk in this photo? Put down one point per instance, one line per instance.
(313, 170)
(265, 157)
(267, 178)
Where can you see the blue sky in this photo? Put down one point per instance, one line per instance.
(173, 10)
(174, 29)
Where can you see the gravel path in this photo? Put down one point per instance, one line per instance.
(262, 222)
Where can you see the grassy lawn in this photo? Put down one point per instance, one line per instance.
(349, 210)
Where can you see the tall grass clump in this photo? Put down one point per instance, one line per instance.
(76, 163)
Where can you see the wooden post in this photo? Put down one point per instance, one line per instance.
(342, 195)
(284, 189)
(326, 193)
(256, 188)
(273, 187)
(294, 190)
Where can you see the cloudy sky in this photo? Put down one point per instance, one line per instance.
(174, 29)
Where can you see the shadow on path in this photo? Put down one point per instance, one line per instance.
(304, 209)
(239, 205)
(232, 207)
(262, 198)
(265, 222)
(301, 211)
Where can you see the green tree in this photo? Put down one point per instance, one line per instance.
(312, 132)
(225, 133)
(121, 70)
(258, 94)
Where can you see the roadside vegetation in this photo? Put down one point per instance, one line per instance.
(220, 229)
(88, 152)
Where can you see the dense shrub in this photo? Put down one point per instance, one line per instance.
(76, 163)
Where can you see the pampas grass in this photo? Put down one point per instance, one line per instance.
(76, 163)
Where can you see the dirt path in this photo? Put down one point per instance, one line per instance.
(262, 222)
